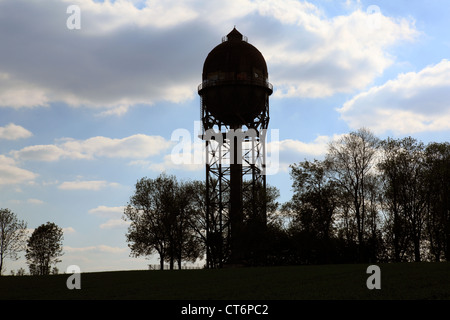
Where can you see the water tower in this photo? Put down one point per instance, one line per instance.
(234, 98)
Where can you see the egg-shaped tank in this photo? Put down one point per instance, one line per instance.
(235, 87)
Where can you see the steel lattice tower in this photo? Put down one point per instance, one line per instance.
(234, 98)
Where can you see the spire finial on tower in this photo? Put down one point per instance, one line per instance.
(234, 35)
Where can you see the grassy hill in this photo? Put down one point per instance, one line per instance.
(398, 281)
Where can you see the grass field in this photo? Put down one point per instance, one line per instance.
(398, 281)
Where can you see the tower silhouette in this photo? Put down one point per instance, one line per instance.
(234, 99)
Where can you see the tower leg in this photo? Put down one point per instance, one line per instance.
(236, 212)
(236, 219)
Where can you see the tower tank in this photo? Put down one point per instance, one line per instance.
(235, 87)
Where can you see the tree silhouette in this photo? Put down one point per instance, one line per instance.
(313, 209)
(259, 208)
(404, 173)
(44, 247)
(352, 159)
(371, 201)
(12, 236)
(366, 201)
(437, 185)
(159, 212)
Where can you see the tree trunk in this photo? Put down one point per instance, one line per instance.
(416, 249)
(447, 244)
(396, 238)
(171, 261)
(161, 261)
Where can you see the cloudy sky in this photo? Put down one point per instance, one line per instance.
(85, 113)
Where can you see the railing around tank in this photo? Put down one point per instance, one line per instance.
(244, 38)
(212, 83)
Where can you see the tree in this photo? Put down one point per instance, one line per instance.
(352, 159)
(12, 236)
(145, 233)
(374, 222)
(392, 181)
(208, 230)
(313, 208)
(188, 245)
(437, 176)
(159, 212)
(403, 168)
(314, 200)
(44, 247)
(259, 206)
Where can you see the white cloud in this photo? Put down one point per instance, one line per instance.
(10, 174)
(95, 249)
(193, 163)
(30, 201)
(68, 230)
(40, 153)
(413, 102)
(35, 201)
(115, 224)
(138, 146)
(332, 55)
(121, 56)
(108, 16)
(17, 93)
(315, 148)
(185, 155)
(126, 54)
(135, 146)
(116, 111)
(166, 164)
(113, 214)
(220, 13)
(292, 151)
(290, 11)
(93, 185)
(14, 132)
(105, 211)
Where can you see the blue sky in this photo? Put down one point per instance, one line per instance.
(85, 113)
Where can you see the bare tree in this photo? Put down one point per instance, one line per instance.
(12, 236)
(403, 167)
(352, 160)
